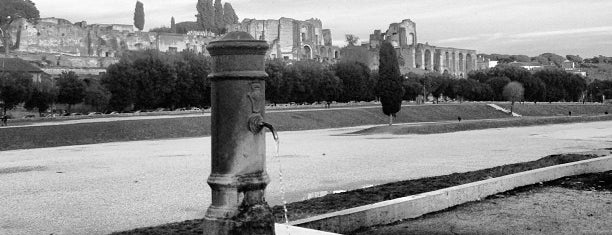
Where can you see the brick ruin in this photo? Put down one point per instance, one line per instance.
(57, 43)
(417, 57)
(292, 39)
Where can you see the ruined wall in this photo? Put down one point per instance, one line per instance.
(286, 38)
(61, 43)
(291, 39)
(402, 34)
(327, 37)
(50, 38)
(421, 58)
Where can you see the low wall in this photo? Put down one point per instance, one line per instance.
(417, 205)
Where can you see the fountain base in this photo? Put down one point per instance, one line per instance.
(252, 219)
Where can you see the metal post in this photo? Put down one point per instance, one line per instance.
(238, 177)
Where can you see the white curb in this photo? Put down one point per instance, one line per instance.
(417, 205)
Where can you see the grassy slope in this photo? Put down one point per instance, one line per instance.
(104, 132)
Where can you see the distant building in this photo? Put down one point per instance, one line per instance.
(19, 65)
(531, 66)
(568, 65)
(483, 63)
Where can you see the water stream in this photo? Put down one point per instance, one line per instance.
(281, 183)
(280, 177)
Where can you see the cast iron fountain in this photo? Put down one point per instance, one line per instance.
(238, 177)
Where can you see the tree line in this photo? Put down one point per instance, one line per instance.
(151, 80)
(18, 88)
(211, 17)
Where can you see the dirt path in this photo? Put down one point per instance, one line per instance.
(578, 205)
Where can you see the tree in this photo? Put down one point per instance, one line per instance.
(149, 80)
(96, 95)
(162, 30)
(412, 88)
(119, 80)
(11, 10)
(42, 97)
(206, 14)
(548, 58)
(356, 53)
(229, 15)
(139, 16)
(172, 25)
(498, 84)
(15, 88)
(438, 84)
(351, 39)
(513, 92)
(574, 58)
(184, 27)
(219, 24)
(354, 76)
(71, 90)
(390, 89)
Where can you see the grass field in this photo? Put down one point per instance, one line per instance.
(183, 127)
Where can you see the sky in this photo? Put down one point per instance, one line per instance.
(528, 27)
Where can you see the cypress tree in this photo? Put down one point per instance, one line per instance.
(139, 16)
(172, 25)
(219, 24)
(206, 14)
(389, 87)
(229, 15)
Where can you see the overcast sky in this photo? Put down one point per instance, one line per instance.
(531, 27)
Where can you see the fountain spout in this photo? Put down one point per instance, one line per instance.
(271, 128)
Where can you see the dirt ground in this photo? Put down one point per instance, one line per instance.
(573, 205)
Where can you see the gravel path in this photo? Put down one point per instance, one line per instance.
(96, 189)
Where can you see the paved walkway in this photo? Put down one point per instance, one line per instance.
(96, 189)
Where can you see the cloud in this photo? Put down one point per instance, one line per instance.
(605, 30)
(459, 39)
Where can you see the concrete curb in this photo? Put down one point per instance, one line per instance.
(417, 205)
(285, 229)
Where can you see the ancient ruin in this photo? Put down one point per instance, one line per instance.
(292, 39)
(418, 57)
(58, 44)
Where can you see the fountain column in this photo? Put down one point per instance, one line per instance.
(238, 177)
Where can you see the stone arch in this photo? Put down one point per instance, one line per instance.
(428, 58)
(307, 52)
(446, 60)
(461, 62)
(470, 64)
(419, 58)
(411, 40)
(454, 63)
(437, 58)
(335, 54)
